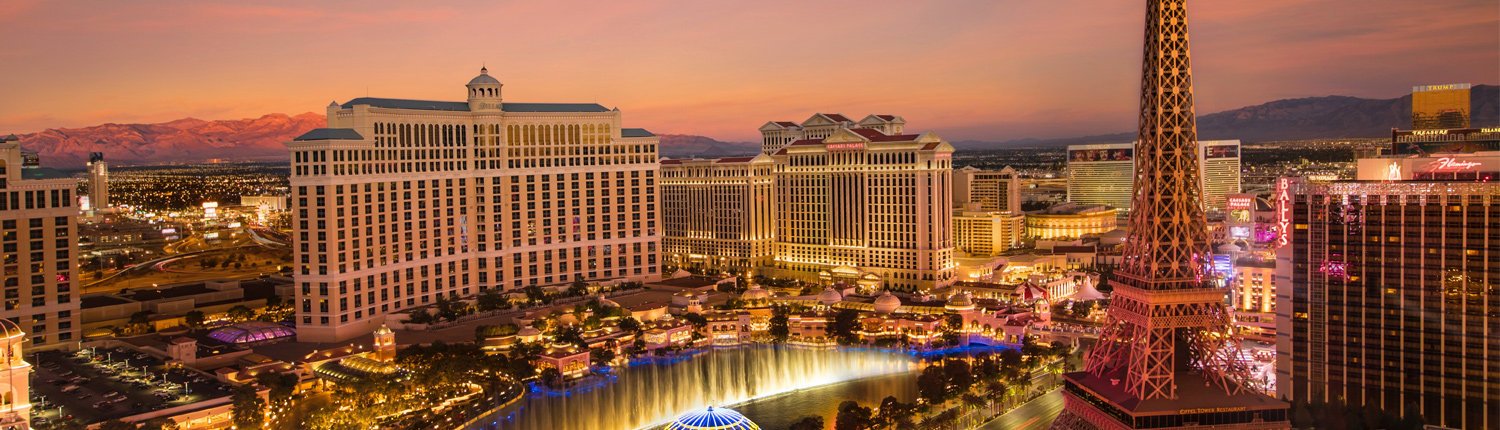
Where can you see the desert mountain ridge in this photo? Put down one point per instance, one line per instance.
(191, 140)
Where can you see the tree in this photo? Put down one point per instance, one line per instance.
(162, 423)
(240, 313)
(810, 422)
(249, 411)
(142, 317)
(973, 401)
(492, 299)
(958, 374)
(449, 309)
(698, 321)
(1301, 418)
(550, 376)
(601, 356)
(283, 385)
(842, 327)
(419, 316)
(578, 288)
(780, 328)
(932, 385)
(851, 416)
(194, 319)
(630, 324)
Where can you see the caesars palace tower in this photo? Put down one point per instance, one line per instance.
(400, 202)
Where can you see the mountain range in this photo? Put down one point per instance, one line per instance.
(1328, 117)
(193, 140)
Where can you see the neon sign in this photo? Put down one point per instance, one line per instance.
(1449, 165)
(1241, 202)
(1393, 172)
(846, 146)
(1283, 211)
(1428, 132)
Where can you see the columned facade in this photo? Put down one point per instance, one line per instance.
(399, 202)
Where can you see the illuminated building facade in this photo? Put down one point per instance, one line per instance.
(400, 201)
(865, 207)
(994, 191)
(15, 378)
(1254, 284)
(1475, 166)
(977, 232)
(1167, 356)
(987, 206)
(1221, 171)
(38, 231)
(1392, 297)
(1102, 174)
(98, 181)
(1440, 107)
(1070, 221)
(718, 213)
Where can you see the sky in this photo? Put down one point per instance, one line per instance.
(986, 69)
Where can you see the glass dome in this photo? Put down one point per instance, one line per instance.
(712, 418)
(251, 331)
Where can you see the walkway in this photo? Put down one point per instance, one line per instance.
(1037, 414)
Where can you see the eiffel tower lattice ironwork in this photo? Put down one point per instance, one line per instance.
(1167, 323)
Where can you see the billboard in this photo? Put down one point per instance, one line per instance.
(1221, 151)
(1094, 155)
(1239, 232)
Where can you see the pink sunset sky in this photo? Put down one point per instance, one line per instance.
(989, 70)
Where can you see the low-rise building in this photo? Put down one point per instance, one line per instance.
(569, 360)
(1070, 220)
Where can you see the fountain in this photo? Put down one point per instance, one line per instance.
(652, 394)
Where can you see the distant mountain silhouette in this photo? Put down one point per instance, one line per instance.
(691, 146)
(191, 140)
(187, 140)
(1295, 119)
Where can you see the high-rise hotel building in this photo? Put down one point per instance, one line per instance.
(400, 201)
(987, 211)
(865, 206)
(37, 232)
(1103, 174)
(1394, 289)
(718, 213)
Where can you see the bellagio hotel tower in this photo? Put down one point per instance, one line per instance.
(399, 202)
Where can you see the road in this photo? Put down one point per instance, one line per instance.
(1034, 415)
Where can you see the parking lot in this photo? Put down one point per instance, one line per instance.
(107, 383)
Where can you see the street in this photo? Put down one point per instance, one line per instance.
(1034, 415)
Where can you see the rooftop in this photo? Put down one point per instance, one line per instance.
(330, 134)
(635, 132)
(695, 281)
(464, 106)
(1192, 393)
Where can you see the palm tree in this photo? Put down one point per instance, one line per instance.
(997, 391)
(905, 423)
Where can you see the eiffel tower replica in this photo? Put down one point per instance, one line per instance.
(1168, 356)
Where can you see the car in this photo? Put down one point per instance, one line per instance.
(112, 394)
(84, 395)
